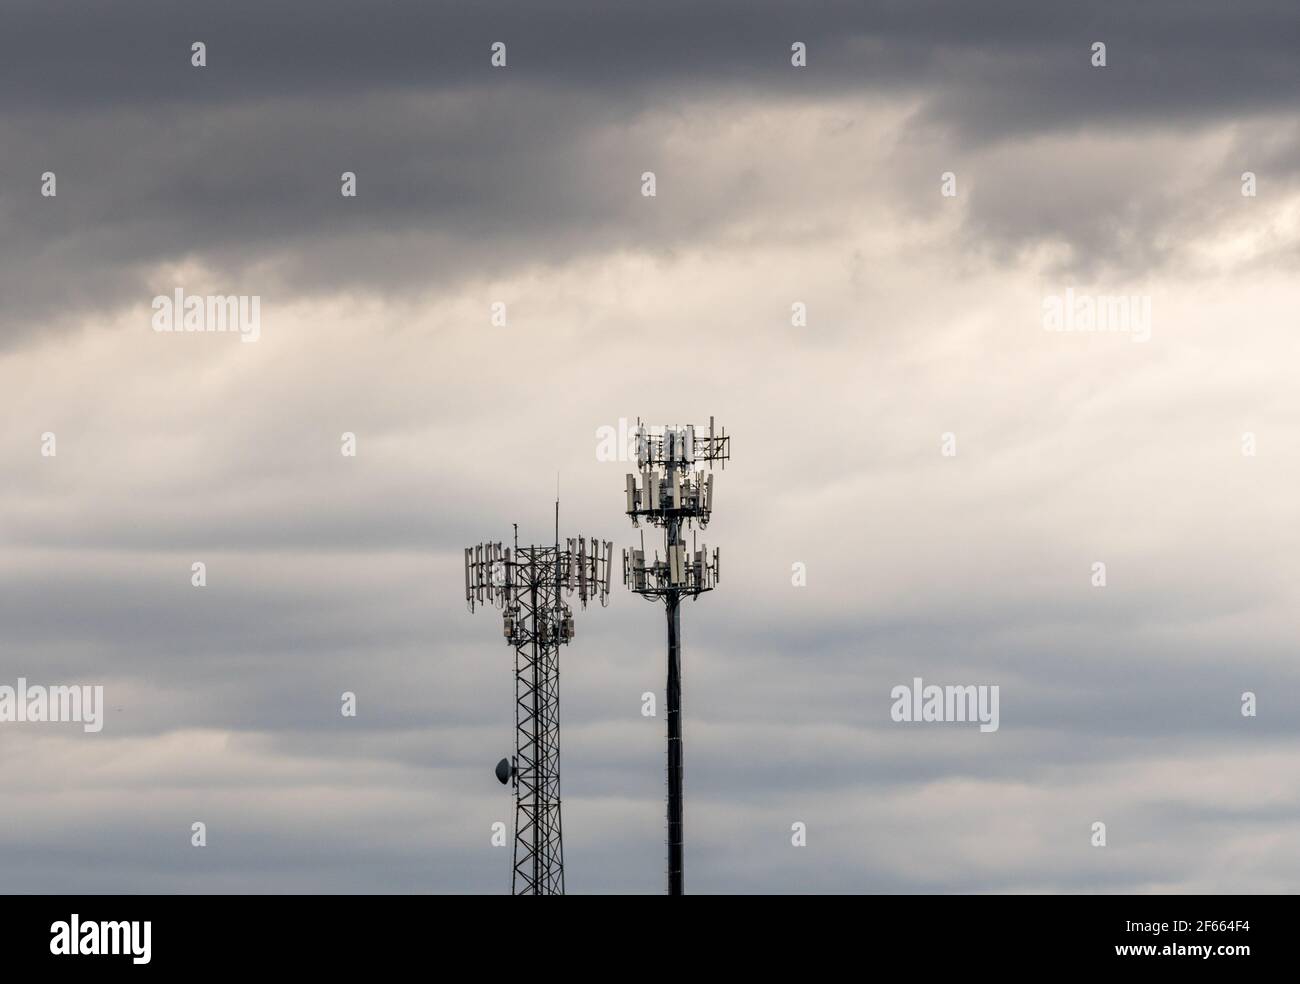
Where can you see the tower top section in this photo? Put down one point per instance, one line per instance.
(673, 487)
(499, 576)
(676, 446)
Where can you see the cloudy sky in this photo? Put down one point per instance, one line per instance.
(775, 186)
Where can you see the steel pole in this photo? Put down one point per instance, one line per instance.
(675, 844)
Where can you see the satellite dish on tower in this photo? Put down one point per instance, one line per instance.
(503, 771)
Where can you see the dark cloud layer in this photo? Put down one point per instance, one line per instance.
(1197, 58)
(464, 168)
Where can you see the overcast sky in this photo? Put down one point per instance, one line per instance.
(775, 186)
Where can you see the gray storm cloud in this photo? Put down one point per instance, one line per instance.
(465, 169)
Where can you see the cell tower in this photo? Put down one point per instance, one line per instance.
(529, 585)
(673, 494)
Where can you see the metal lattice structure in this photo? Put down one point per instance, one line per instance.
(673, 493)
(529, 585)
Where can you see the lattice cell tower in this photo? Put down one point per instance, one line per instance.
(529, 585)
(672, 493)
